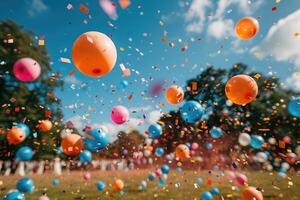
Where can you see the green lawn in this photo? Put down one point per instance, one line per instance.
(73, 186)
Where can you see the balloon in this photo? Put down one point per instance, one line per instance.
(244, 139)
(215, 191)
(230, 175)
(256, 141)
(199, 181)
(261, 157)
(251, 193)
(45, 125)
(85, 156)
(94, 54)
(14, 195)
(165, 169)
(241, 179)
(195, 145)
(95, 140)
(191, 111)
(118, 185)
(209, 145)
(23, 127)
(15, 135)
(206, 196)
(72, 144)
(241, 89)
(215, 132)
(119, 114)
(291, 158)
(100, 185)
(143, 185)
(25, 185)
(55, 182)
(86, 176)
(155, 131)
(24, 154)
(182, 152)
(174, 94)
(151, 176)
(294, 107)
(26, 69)
(246, 28)
(44, 197)
(159, 152)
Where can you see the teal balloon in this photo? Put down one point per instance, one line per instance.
(14, 195)
(100, 185)
(294, 107)
(55, 182)
(85, 156)
(24, 154)
(25, 185)
(206, 196)
(191, 112)
(256, 141)
(165, 169)
(215, 132)
(159, 152)
(215, 191)
(155, 131)
(95, 140)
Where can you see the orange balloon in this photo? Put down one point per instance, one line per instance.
(174, 94)
(94, 54)
(45, 125)
(118, 185)
(182, 152)
(15, 135)
(247, 28)
(241, 89)
(251, 193)
(72, 144)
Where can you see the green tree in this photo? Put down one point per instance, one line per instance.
(267, 115)
(27, 102)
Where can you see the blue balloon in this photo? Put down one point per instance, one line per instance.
(24, 127)
(100, 185)
(24, 154)
(215, 191)
(161, 182)
(95, 140)
(294, 107)
(199, 181)
(55, 182)
(25, 185)
(14, 195)
(124, 84)
(282, 170)
(85, 156)
(191, 112)
(256, 141)
(215, 132)
(151, 177)
(155, 131)
(206, 196)
(159, 152)
(209, 146)
(165, 169)
(143, 185)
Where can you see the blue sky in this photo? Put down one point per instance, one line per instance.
(139, 30)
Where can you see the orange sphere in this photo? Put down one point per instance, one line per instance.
(15, 135)
(72, 144)
(94, 54)
(182, 152)
(251, 193)
(241, 89)
(45, 125)
(247, 28)
(174, 94)
(118, 185)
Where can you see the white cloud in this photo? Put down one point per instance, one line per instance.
(280, 42)
(196, 15)
(37, 7)
(71, 80)
(293, 82)
(220, 28)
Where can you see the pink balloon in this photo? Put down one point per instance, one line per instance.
(241, 179)
(119, 114)
(87, 176)
(26, 69)
(195, 145)
(230, 175)
(44, 198)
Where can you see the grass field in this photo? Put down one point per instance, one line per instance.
(73, 186)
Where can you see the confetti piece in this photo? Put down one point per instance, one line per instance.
(65, 60)
(109, 8)
(84, 9)
(69, 6)
(124, 3)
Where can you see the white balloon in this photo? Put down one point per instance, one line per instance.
(261, 157)
(285, 165)
(244, 139)
(272, 141)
